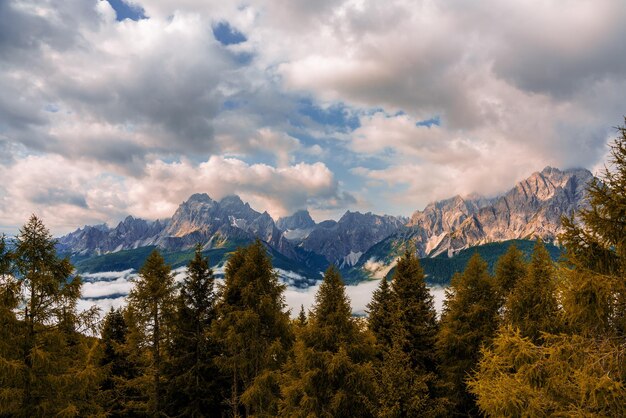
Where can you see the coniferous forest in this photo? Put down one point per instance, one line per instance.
(533, 339)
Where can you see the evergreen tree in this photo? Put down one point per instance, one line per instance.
(330, 373)
(532, 305)
(564, 376)
(579, 372)
(469, 322)
(415, 312)
(382, 315)
(595, 240)
(253, 331)
(5, 258)
(47, 367)
(151, 305)
(510, 268)
(598, 242)
(117, 392)
(193, 389)
(403, 391)
(302, 320)
(403, 319)
(11, 366)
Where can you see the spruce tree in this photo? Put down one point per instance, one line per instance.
(415, 312)
(403, 391)
(403, 319)
(151, 305)
(116, 390)
(193, 388)
(382, 315)
(532, 305)
(302, 319)
(510, 268)
(253, 331)
(11, 365)
(469, 322)
(5, 258)
(330, 373)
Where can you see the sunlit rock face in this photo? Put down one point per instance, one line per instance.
(532, 209)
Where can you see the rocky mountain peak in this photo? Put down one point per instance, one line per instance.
(299, 220)
(200, 198)
(232, 200)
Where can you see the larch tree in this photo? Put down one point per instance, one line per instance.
(564, 376)
(580, 371)
(151, 305)
(49, 368)
(330, 373)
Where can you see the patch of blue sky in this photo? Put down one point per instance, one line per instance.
(232, 104)
(227, 35)
(337, 115)
(430, 122)
(127, 10)
(243, 58)
(52, 108)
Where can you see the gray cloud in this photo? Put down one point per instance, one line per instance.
(516, 85)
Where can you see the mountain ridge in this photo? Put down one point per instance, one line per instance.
(531, 209)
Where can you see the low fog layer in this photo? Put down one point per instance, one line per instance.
(109, 289)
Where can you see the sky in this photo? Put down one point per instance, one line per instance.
(111, 108)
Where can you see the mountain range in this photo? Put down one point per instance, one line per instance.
(361, 244)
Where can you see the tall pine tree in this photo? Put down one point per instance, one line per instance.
(469, 322)
(117, 392)
(253, 332)
(330, 373)
(415, 312)
(532, 305)
(580, 371)
(193, 388)
(595, 240)
(510, 268)
(382, 315)
(151, 305)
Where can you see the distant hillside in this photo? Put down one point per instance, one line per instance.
(133, 259)
(440, 269)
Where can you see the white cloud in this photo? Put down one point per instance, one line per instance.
(99, 289)
(66, 193)
(517, 86)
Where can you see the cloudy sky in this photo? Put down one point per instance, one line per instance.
(109, 108)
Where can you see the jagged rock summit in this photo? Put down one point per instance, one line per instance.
(299, 220)
(531, 209)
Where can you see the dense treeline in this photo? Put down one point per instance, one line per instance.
(532, 339)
